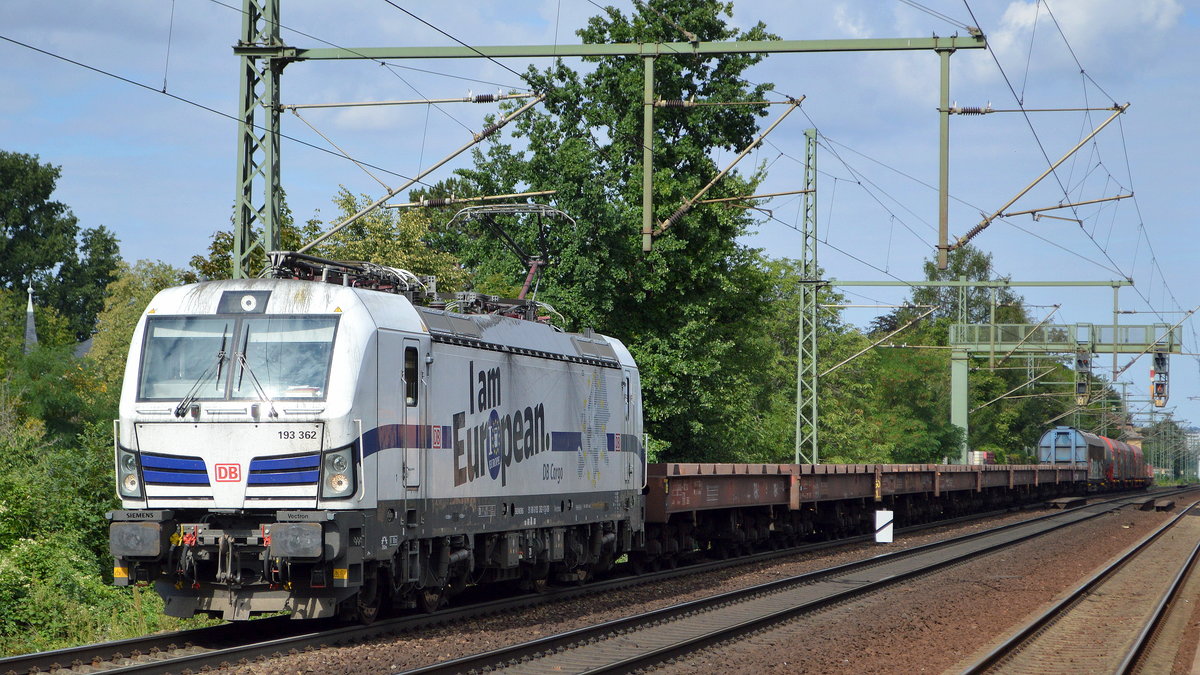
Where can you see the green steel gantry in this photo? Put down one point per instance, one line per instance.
(263, 57)
(967, 339)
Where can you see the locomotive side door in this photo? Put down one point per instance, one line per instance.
(629, 411)
(416, 436)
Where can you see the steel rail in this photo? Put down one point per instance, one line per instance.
(1023, 636)
(225, 642)
(1145, 639)
(506, 657)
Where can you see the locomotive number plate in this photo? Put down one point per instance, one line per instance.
(244, 438)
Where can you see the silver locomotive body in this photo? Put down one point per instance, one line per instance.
(295, 446)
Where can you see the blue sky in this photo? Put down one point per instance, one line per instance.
(161, 173)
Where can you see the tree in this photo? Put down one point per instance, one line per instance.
(79, 287)
(36, 234)
(690, 310)
(218, 264)
(974, 265)
(127, 299)
(385, 238)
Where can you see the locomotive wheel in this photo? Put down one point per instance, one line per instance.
(368, 607)
(430, 599)
(369, 599)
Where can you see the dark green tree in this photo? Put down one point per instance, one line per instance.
(36, 233)
(79, 286)
(971, 264)
(218, 264)
(38, 244)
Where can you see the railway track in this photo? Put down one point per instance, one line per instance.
(1110, 622)
(228, 644)
(649, 639)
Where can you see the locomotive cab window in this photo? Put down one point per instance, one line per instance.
(410, 376)
(219, 358)
(285, 357)
(184, 354)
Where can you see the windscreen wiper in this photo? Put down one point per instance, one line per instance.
(241, 359)
(190, 397)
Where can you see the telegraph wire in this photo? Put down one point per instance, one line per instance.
(170, 33)
(191, 103)
(1038, 140)
(379, 61)
(414, 16)
(957, 199)
(936, 14)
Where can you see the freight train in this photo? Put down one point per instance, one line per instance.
(1111, 464)
(340, 439)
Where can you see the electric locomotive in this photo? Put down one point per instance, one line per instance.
(331, 448)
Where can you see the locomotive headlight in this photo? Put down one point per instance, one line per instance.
(337, 480)
(338, 483)
(129, 483)
(337, 462)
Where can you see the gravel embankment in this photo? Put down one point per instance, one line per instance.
(925, 626)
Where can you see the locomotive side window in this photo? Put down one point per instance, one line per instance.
(410, 376)
(628, 396)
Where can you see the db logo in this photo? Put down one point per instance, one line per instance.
(228, 473)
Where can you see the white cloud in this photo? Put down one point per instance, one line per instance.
(854, 24)
(1113, 35)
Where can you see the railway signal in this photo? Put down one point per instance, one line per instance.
(1083, 369)
(1159, 384)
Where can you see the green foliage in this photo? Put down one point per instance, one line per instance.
(972, 264)
(218, 264)
(128, 297)
(53, 483)
(53, 329)
(35, 233)
(79, 287)
(387, 238)
(51, 597)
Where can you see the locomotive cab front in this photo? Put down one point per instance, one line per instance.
(238, 463)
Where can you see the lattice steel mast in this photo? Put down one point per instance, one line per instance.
(806, 341)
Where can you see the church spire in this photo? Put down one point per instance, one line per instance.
(30, 327)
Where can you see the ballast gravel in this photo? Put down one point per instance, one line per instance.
(927, 625)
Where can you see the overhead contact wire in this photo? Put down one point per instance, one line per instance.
(190, 102)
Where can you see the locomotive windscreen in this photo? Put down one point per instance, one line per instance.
(231, 358)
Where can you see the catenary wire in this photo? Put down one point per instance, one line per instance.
(191, 103)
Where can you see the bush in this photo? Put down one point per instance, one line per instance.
(51, 597)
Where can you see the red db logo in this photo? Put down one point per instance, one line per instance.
(229, 473)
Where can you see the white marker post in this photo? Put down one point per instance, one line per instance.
(883, 527)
